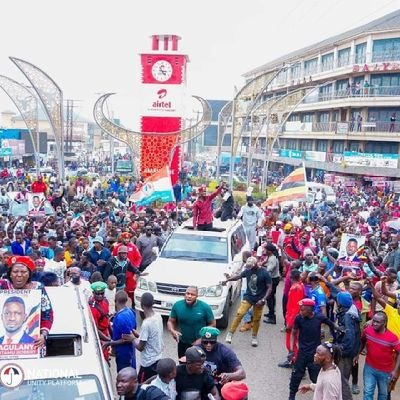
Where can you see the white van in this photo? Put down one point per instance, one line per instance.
(74, 367)
(197, 258)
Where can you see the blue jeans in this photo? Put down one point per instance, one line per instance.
(373, 377)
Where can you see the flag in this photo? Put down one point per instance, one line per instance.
(156, 187)
(292, 188)
(33, 321)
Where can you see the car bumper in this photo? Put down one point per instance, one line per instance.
(163, 303)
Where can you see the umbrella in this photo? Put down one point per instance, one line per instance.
(394, 224)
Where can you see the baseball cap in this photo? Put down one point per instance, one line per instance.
(123, 249)
(194, 354)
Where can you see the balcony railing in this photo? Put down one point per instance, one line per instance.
(348, 127)
(372, 91)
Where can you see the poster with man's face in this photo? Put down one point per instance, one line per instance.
(36, 204)
(20, 323)
(351, 249)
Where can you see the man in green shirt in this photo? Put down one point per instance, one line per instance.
(191, 315)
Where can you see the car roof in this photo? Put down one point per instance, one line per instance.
(68, 320)
(223, 228)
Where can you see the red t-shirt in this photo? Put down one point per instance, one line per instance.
(381, 349)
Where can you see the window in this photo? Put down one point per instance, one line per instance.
(342, 87)
(324, 117)
(338, 146)
(327, 62)
(296, 71)
(386, 50)
(282, 77)
(353, 146)
(85, 387)
(306, 144)
(238, 240)
(381, 147)
(294, 117)
(310, 66)
(361, 52)
(196, 247)
(382, 114)
(385, 85)
(226, 141)
(307, 117)
(322, 145)
(325, 92)
(291, 144)
(344, 57)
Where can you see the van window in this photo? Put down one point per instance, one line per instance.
(196, 247)
(86, 387)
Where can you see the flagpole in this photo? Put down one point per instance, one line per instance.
(305, 184)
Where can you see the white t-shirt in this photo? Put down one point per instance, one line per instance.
(110, 296)
(84, 287)
(151, 333)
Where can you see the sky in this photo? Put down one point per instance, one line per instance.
(92, 46)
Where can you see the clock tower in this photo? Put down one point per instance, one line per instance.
(163, 88)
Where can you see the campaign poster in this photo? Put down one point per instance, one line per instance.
(36, 204)
(20, 323)
(351, 252)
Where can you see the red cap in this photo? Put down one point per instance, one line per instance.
(307, 302)
(235, 390)
(24, 260)
(126, 235)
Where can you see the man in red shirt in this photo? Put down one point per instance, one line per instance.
(99, 307)
(296, 293)
(202, 209)
(39, 186)
(133, 252)
(381, 366)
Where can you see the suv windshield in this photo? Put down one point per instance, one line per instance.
(196, 247)
(85, 388)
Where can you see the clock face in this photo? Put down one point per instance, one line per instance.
(161, 70)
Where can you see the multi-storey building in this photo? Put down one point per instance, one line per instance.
(349, 124)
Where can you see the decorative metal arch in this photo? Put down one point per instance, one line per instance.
(26, 103)
(241, 111)
(51, 97)
(286, 105)
(224, 116)
(133, 138)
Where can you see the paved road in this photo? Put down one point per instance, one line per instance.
(266, 380)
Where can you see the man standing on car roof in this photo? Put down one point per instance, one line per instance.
(202, 209)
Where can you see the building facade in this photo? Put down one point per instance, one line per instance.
(349, 119)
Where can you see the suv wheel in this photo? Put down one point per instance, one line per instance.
(224, 321)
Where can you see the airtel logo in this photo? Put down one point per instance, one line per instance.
(161, 93)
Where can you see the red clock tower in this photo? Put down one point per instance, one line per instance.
(163, 84)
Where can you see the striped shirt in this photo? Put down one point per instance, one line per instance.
(382, 349)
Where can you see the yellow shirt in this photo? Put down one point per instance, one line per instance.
(393, 317)
(68, 258)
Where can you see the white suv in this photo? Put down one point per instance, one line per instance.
(197, 258)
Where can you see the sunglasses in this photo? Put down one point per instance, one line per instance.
(208, 341)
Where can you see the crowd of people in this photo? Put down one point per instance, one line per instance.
(334, 309)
